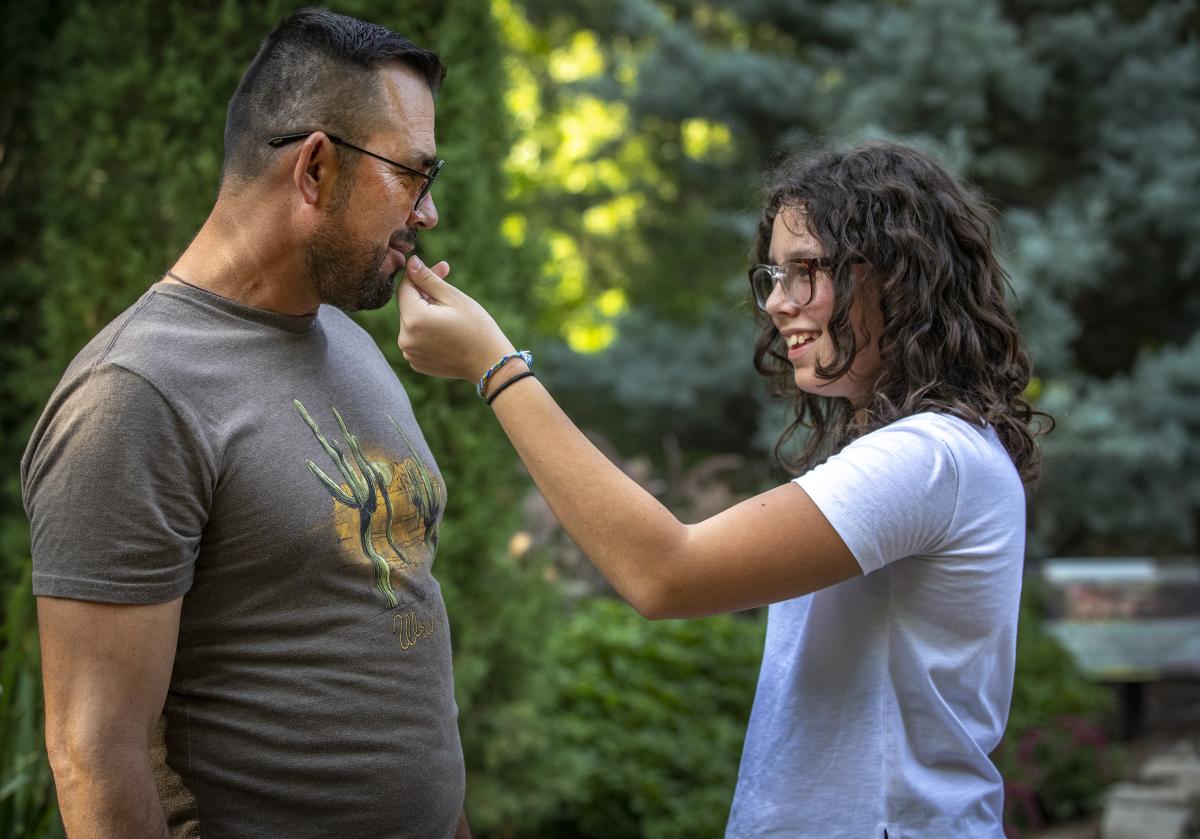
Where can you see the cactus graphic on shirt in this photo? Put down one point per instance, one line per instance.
(426, 495)
(368, 487)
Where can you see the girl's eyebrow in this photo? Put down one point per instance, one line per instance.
(794, 255)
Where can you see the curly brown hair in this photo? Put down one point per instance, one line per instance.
(949, 342)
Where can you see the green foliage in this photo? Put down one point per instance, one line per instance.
(632, 135)
(1143, 426)
(26, 792)
(1055, 758)
(124, 126)
(652, 718)
(1081, 122)
(649, 383)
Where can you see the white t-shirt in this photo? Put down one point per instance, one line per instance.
(880, 698)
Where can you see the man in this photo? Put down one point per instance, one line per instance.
(233, 511)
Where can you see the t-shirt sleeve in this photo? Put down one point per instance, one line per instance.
(117, 490)
(890, 494)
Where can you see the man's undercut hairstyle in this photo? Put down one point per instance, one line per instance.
(903, 231)
(317, 71)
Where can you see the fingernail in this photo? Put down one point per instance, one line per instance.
(415, 262)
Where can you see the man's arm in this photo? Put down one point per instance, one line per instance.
(463, 831)
(105, 671)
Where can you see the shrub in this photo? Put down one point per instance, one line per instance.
(1055, 758)
(26, 793)
(652, 716)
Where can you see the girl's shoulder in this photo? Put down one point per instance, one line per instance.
(959, 435)
(972, 451)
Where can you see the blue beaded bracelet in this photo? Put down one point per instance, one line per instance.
(524, 355)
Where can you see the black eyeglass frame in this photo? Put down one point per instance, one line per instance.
(428, 177)
(779, 274)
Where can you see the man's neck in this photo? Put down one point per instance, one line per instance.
(245, 257)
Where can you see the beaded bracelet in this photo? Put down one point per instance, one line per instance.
(524, 355)
(525, 375)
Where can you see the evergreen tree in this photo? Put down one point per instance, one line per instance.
(1079, 121)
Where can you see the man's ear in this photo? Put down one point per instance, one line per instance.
(315, 167)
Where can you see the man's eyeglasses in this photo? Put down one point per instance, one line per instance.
(797, 276)
(427, 177)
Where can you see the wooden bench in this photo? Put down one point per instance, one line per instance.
(1129, 622)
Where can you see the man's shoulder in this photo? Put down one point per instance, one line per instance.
(101, 346)
(149, 331)
(349, 333)
(157, 350)
(341, 323)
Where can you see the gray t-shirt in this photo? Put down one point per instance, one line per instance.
(881, 697)
(267, 468)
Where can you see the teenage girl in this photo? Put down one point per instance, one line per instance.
(892, 564)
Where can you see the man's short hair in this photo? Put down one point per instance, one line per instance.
(316, 71)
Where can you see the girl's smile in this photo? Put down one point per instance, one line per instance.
(804, 328)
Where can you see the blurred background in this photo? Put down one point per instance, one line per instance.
(602, 182)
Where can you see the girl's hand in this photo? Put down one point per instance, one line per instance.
(443, 332)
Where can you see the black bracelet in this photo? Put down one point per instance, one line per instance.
(492, 397)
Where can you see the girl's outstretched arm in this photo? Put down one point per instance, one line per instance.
(772, 547)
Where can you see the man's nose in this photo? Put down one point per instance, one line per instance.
(425, 214)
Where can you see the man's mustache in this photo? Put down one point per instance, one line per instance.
(404, 237)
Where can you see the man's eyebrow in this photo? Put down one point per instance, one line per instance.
(421, 161)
